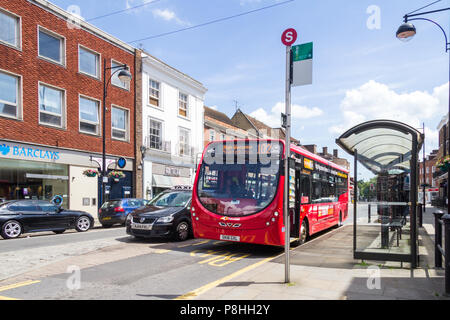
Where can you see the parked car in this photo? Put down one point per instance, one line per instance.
(166, 215)
(25, 216)
(115, 211)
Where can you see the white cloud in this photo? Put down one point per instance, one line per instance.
(273, 119)
(214, 107)
(169, 15)
(374, 100)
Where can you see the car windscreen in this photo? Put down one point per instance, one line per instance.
(171, 199)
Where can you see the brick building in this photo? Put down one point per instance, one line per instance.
(51, 92)
(430, 169)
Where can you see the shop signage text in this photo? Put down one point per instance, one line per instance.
(30, 153)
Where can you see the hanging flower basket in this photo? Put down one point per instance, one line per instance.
(444, 163)
(90, 173)
(116, 175)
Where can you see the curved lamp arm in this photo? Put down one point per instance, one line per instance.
(447, 44)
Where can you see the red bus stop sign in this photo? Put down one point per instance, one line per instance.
(289, 36)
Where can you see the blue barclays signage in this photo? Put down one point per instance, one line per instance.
(30, 153)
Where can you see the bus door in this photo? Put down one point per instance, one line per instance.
(294, 205)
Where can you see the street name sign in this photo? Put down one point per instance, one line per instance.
(302, 62)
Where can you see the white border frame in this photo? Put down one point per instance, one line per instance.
(19, 24)
(20, 96)
(63, 46)
(99, 133)
(128, 134)
(99, 65)
(63, 108)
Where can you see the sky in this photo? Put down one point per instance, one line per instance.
(361, 71)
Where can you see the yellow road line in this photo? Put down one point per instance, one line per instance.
(18, 285)
(7, 298)
(199, 291)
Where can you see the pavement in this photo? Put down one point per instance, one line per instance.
(324, 268)
(115, 266)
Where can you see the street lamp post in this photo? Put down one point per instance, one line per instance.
(125, 76)
(406, 32)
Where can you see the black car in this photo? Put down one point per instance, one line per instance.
(167, 215)
(26, 216)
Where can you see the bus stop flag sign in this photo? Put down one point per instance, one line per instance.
(302, 62)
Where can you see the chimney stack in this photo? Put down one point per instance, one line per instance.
(335, 153)
(325, 151)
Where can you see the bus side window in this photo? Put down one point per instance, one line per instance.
(305, 188)
(316, 193)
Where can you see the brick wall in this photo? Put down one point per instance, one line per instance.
(26, 63)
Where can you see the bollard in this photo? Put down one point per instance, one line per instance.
(438, 238)
(368, 214)
(446, 220)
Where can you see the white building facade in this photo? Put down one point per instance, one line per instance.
(172, 128)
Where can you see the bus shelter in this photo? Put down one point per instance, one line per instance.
(385, 223)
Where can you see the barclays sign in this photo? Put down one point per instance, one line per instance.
(28, 153)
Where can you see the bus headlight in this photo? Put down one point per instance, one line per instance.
(276, 214)
(165, 219)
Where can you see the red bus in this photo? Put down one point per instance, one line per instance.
(238, 193)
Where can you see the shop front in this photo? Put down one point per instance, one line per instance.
(162, 176)
(39, 172)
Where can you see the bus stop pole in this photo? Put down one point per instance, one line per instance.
(287, 148)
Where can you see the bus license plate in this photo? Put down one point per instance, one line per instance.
(229, 238)
(140, 226)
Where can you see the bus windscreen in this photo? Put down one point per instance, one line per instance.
(239, 180)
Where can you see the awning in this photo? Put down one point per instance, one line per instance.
(162, 181)
(382, 145)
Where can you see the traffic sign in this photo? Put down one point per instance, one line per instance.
(289, 36)
(302, 52)
(302, 64)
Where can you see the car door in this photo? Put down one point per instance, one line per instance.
(53, 217)
(29, 213)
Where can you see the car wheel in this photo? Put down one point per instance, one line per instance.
(59, 231)
(83, 224)
(182, 231)
(11, 229)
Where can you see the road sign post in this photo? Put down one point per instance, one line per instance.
(288, 37)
